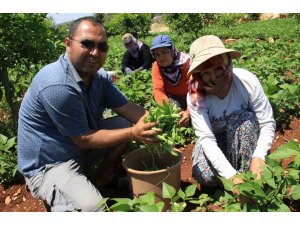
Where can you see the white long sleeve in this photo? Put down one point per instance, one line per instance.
(245, 92)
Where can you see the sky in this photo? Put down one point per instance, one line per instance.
(66, 17)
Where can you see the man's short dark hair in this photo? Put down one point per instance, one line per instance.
(75, 24)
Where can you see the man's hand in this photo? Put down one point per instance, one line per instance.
(255, 166)
(185, 118)
(142, 131)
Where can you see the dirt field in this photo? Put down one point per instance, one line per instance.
(15, 198)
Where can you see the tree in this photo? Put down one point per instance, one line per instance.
(26, 42)
(188, 22)
(100, 17)
(136, 23)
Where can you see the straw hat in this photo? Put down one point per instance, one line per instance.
(207, 47)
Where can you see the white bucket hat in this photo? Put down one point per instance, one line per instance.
(207, 47)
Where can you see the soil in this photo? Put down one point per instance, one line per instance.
(16, 198)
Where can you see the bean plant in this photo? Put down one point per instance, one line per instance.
(278, 190)
(143, 203)
(8, 159)
(167, 117)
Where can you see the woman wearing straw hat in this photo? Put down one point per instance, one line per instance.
(169, 75)
(137, 56)
(232, 116)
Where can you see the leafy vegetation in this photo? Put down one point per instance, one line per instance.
(278, 190)
(167, 117)
(27, 41)
(143, 203)
(136, 23)
(137, 87)
(190, 23)
(8, 159)
(270, 50)
(286, 28)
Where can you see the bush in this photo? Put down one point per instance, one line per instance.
(253, 16)
(228, 19)
(26, 40)
(136, 23)
(188, 22)
(8, 159)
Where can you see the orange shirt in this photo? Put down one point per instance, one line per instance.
(162, 88)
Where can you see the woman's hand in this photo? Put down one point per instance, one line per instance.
(236, 180)
(185, 118)
(255, 166)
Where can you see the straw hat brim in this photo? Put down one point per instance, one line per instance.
(207, 54)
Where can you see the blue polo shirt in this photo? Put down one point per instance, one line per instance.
(56, 106)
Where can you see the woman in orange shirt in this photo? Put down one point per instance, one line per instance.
(169, 75)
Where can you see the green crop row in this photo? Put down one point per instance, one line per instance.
(271, 50)
(274, 58)
(278, 190)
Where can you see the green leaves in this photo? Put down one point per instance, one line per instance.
(5, 143)
(190, 23)
(178, 200)
(27, 41)
(143, 203)
(287, 150)
(283, 153)
(267, 176)
(167, 116)
(295, 192)
(278, 207)
(268, 194)
(136, 23)
(251, 189)
(30, 36)
(136, 87)
(102, 203)
(271, 191)
(227, 183)
(168, 191)
(8, 158)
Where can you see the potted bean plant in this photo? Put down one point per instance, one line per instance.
(150, 166)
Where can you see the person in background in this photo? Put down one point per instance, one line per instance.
(60, 132)
(170, 75)
(137, 56)
(231, 115)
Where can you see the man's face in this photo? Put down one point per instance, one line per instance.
(85, 52)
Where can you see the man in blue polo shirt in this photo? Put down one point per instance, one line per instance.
(60, 127)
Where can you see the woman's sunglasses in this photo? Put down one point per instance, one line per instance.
(90, 45)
